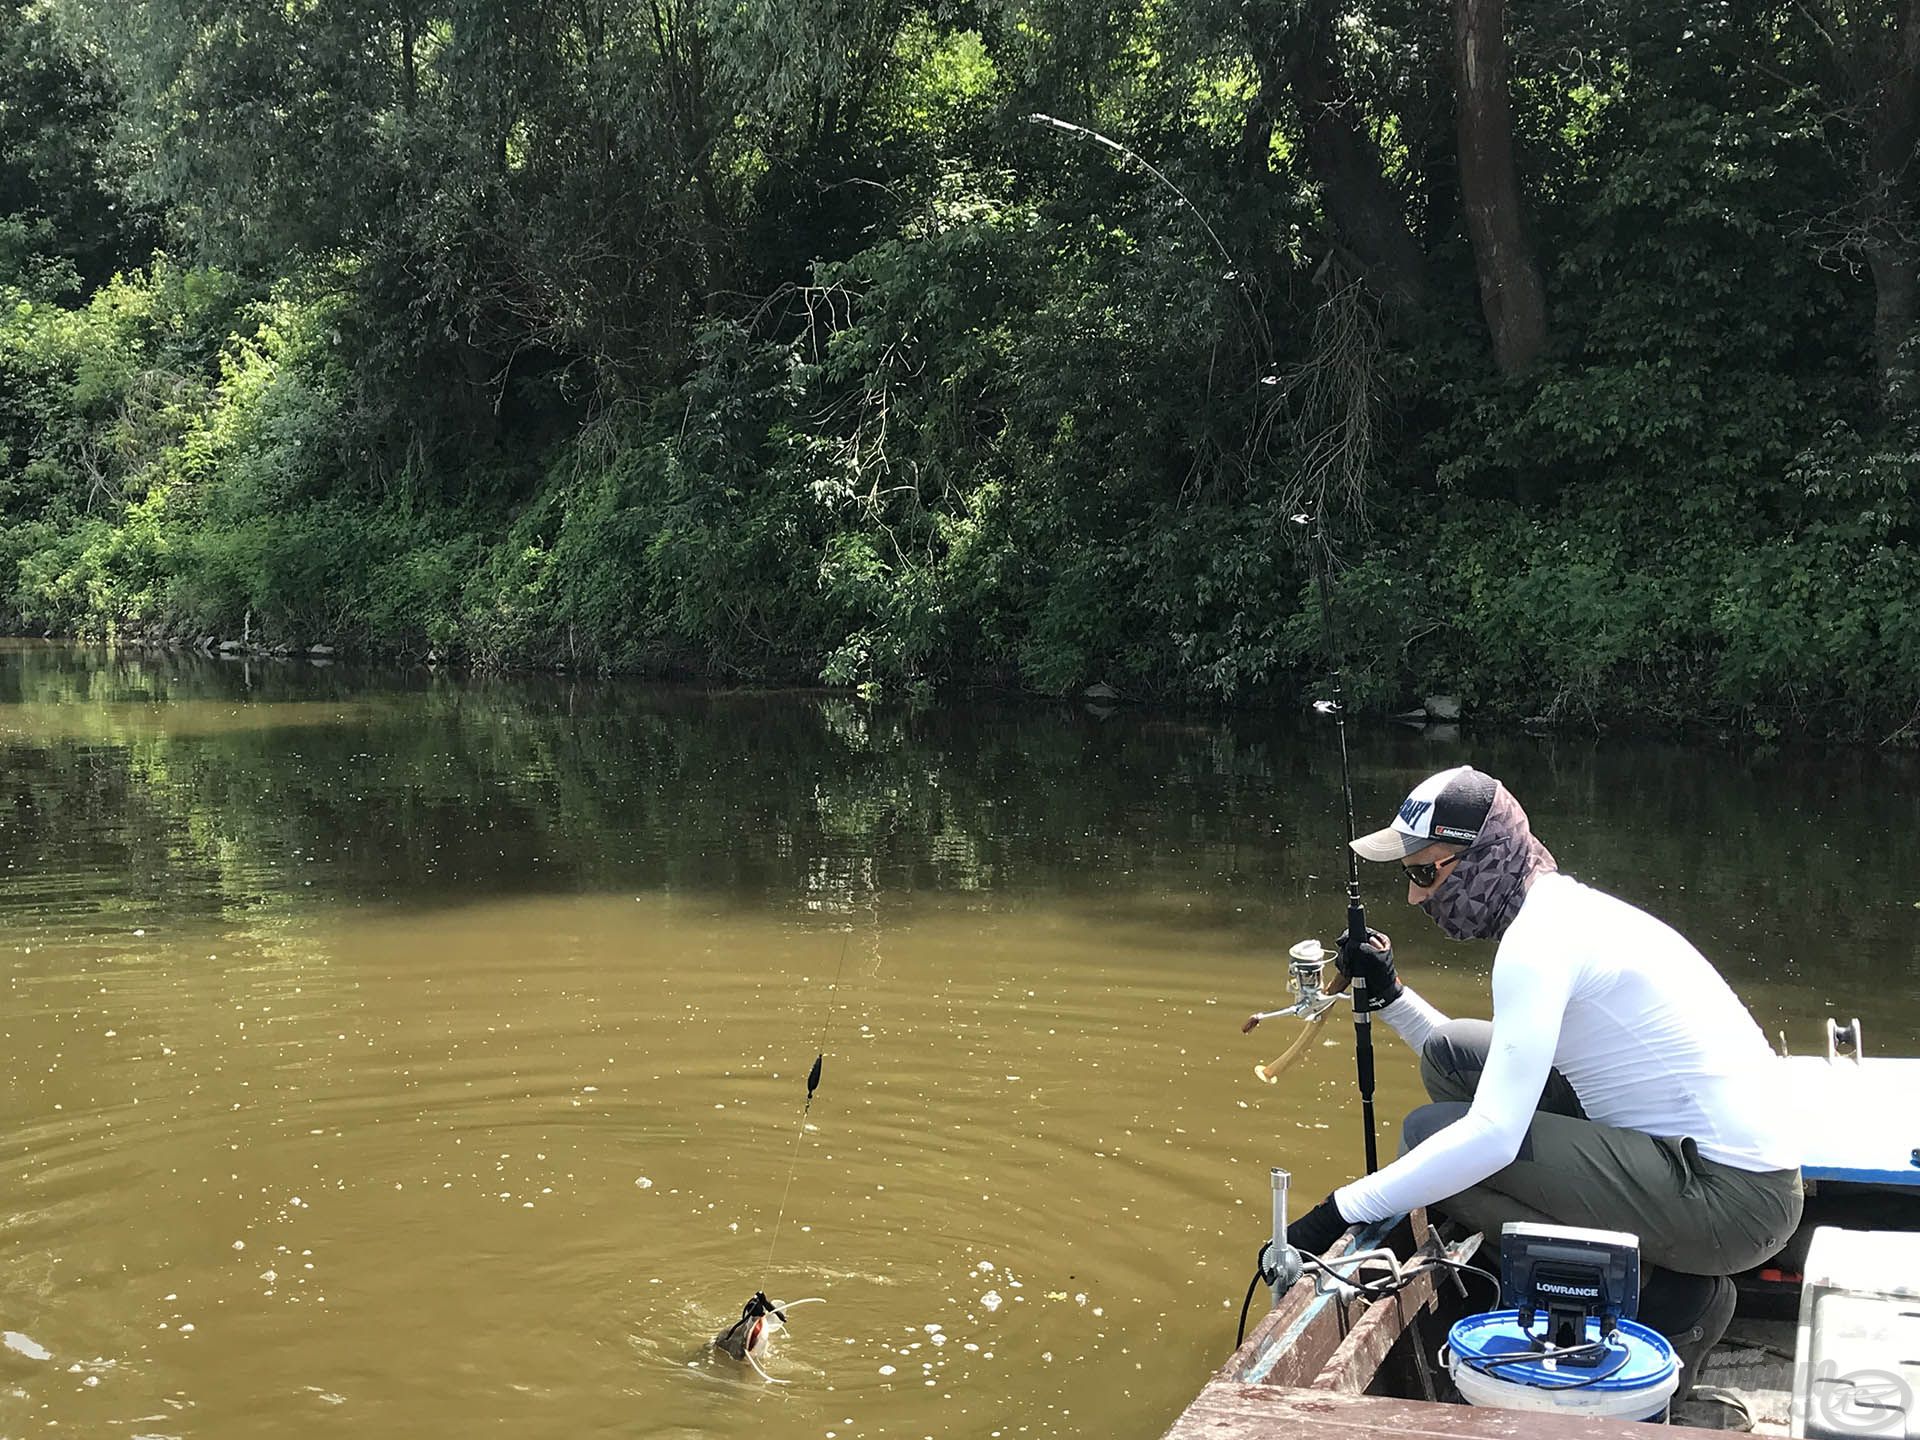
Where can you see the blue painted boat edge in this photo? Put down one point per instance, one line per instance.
(1908, 1178)
(1256, 1374)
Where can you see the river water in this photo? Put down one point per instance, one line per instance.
(403, 1054)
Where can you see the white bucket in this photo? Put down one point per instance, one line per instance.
(1639, 1387)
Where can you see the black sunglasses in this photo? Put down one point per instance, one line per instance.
(1424, 875)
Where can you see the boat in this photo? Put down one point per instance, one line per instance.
(1825, 1339)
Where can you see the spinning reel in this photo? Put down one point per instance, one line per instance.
(1306, 979)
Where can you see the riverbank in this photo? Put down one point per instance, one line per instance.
(715, 534)
(1438, 717)
(945, 399)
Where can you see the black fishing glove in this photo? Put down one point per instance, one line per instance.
(1314, 1232)
(1371, 961)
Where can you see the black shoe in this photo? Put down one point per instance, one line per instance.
(1692, 1311)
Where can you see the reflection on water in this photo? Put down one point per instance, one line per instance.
(397, 1055)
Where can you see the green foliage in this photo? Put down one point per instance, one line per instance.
(1823, 618)
(63, 220)
(770, 341)
(1578, 617)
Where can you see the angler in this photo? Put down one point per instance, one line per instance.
(1621, 1084)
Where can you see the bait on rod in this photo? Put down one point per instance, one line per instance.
(749, 1337)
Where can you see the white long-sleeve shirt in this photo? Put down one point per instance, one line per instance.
(1645, 1030)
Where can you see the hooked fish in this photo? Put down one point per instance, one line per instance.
(749, 1337)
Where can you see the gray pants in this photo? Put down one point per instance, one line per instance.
(1691, 1214)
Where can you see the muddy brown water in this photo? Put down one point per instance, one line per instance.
(395, 1055)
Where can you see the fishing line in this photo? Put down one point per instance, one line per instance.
(813, 1083)
(761, 1318)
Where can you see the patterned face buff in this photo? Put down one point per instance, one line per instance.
(1486, 886)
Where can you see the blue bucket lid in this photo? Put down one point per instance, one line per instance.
(1648, 1358)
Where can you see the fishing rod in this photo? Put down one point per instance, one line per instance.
(1305, 970)
(1357, 932)
(1307, 960)
(1256, 319)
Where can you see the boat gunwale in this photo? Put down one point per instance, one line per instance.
(1305, 1369)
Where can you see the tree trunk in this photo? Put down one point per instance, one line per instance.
(1256, 138)
(1511, 295)
(1896, 287)
(1365, 214)
(1892, 253)
(409, 63)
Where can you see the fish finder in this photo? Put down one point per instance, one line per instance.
(1571, 1276)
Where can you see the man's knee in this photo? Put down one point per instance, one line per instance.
(1453, 1057)
(1429, 1120)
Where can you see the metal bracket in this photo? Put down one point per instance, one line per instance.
(1845, 1042)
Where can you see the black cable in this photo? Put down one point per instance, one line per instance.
(1386, 1285)
(1260, 1272)
(1487, 1364)
(1586, 1349)
(1441, 1262)
(1367, 1289)
(1246, 1305)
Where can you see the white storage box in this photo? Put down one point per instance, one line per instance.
(1856, 1365)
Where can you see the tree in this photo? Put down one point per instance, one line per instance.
(59, 196)
(1294, 54)
(1511, 294)
(1874, 49)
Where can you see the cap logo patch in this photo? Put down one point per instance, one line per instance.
(1412, 810)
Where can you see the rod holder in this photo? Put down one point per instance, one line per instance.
(1282, 1258)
